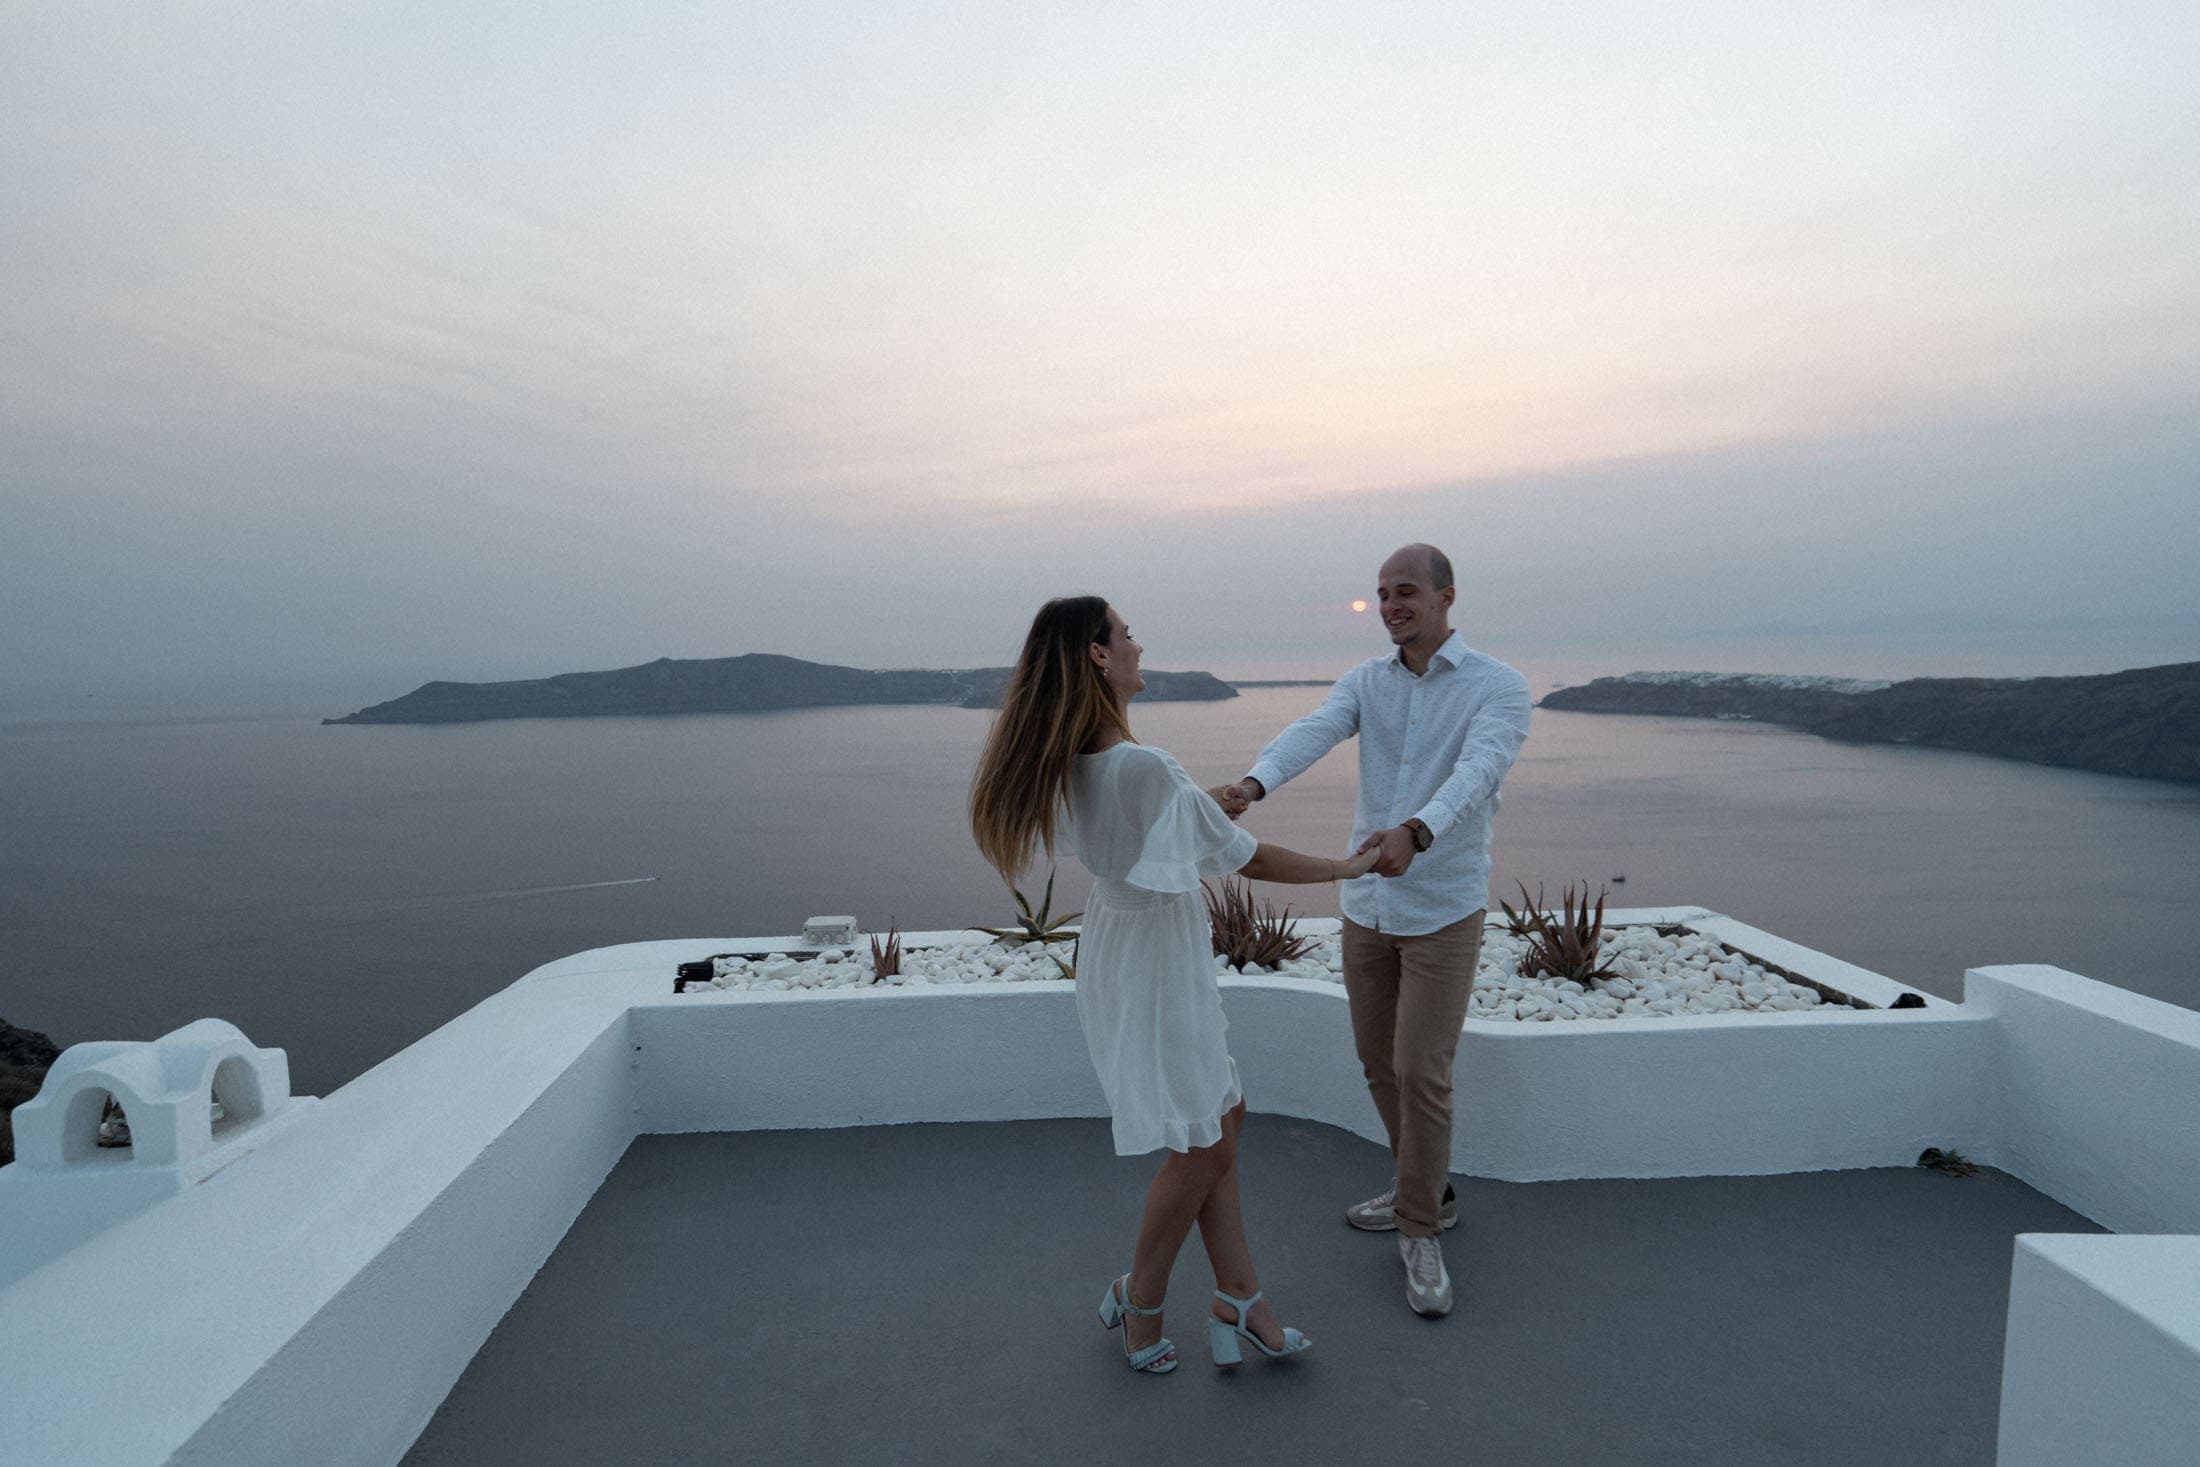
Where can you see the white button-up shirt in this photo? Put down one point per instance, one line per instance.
(1433, 746)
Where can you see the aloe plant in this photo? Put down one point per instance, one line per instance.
(1248, 934)
(1517, 923)
(1040, 926)
(1565, 946)
(886, 960)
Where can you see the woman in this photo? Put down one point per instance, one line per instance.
(1146, 993)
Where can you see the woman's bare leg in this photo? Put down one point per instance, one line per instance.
(1173, 1203)
(1222, 1231)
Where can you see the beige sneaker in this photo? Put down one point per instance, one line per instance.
(1428, 1283)
(1376, 1216)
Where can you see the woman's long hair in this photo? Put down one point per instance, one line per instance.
(1056, 704)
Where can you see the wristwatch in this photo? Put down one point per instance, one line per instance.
(1423, 837)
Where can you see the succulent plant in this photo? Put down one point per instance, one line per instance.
(1567, 945)
(886, 960)
(1246, 933)
(1517, 923)
(1068, 965)
(1039, 926)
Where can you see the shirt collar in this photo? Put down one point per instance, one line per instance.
(1451, 653)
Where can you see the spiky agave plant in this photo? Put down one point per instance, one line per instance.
(886, 959)
(1517, 923)
(1565, 946)
(1246, 933)
(1040, 926)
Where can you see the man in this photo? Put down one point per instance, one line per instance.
(1438, 724)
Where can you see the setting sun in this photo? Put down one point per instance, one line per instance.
(1359, 606)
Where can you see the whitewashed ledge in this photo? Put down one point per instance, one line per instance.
(314, 1286)
(1658, 970)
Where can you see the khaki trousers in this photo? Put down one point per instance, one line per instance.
(1409, 997)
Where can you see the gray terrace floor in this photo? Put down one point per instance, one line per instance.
(927, 1293)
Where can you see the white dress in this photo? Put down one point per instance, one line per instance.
(1146, 992)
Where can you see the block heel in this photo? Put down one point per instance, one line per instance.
(1223, 1337)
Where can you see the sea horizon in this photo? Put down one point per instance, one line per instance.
(340, 891)
(1547, 666)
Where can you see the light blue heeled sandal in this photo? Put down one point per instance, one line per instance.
(1158, 1358)
(1223, 1336)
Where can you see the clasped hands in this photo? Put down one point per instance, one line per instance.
(1392, 848)
(1235, 799)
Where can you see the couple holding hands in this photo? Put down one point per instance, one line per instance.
(1438, 725)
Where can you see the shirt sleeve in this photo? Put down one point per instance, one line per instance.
(1292, 752)
(1494, 736)
(1186, 834)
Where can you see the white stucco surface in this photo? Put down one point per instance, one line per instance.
(315, 1299)
(64, 1186)
(2102, 1359)
(2099, 1095)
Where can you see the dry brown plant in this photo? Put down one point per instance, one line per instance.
(886, 960)
(1250, 933)
(1566, 945)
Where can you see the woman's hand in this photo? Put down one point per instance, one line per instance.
(1281, 863)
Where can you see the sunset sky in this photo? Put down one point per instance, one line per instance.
(405, 341)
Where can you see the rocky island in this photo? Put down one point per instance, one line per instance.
(2145, 722)
(25, 1056)
(756, 682)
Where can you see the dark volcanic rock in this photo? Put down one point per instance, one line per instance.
(754, 683)
(26, 1047)
(25, 1056)
(2145, 722)
(17, 1085)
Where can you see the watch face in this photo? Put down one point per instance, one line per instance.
(1422, 839)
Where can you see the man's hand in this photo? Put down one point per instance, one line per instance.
(1395, 846)
(1232, 798)
(1236, 798)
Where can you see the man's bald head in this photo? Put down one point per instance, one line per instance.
(1432, 564)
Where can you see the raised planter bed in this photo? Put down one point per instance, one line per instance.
(1666, 966)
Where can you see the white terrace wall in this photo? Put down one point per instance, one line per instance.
(860, 1057)
(1728, 1094)
(315, 1300)
(2098, 1093)
(2102, 1362)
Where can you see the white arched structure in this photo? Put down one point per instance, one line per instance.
(64, 1187)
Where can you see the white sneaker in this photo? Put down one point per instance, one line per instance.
(1379, 1215)
(1428, 1285)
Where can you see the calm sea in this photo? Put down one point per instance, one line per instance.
(342, 891)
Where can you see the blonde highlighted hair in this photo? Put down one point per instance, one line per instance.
(1055, 707)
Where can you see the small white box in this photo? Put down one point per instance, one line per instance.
(831, 932)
